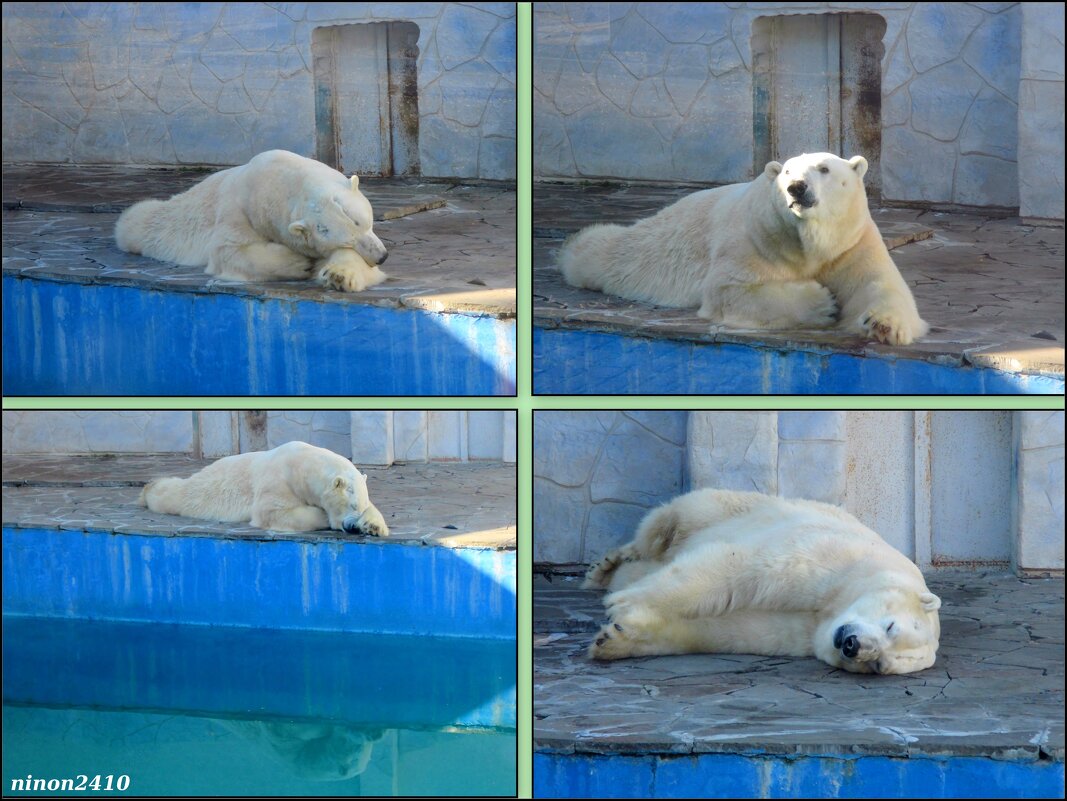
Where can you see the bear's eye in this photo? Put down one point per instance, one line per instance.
(889, 628)
(824, 169)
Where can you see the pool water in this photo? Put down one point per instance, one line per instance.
(203, 710)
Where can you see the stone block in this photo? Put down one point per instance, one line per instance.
(941, 98)
(671, 426)
(986, 181)
(218, 434)
(1042, 42)
(991, 128)
(609, 525)
(446, 436)
(636, 467)
(916, 167)
(1041, 138)
(638, 46)
(409, 436)
(993, 51)
(687, 22)
(566, 444)
(462, 32)
(559, 518)
(937, 32)
(733, 450)
(814, 470)
(485, 434)
(811, 425)
(372, 438)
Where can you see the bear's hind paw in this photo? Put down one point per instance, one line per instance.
(611, 642)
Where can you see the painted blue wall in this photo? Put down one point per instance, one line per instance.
(92, 339)
(762, 776)
(592, 363)
(365, 587)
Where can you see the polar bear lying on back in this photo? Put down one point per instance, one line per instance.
(279, 217)
(739, 572)
(793, 249)
(295, 487)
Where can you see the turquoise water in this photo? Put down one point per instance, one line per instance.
(225, 711)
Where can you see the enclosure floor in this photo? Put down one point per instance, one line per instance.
(447, 504)
(996, 689)
(459, 257)
(991, 289)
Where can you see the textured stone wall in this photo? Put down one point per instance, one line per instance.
(1037, 514)
(368, 438)
(71, 433)
(596, 474)
(663, 91)
(217, 83)
(1041, 96)
(942, 487)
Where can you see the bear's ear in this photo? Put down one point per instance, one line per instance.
(339, 482)
(298, 228)
(930, 602)
(772, 169)
(355, 183)
(859, 164)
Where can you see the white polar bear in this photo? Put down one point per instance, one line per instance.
(788, 250)
(716, 571)
(280, 216)
(294, 487)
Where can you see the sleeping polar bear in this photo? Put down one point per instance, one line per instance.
(716, 571)
(279, 217)
(796, 248)
(295, 487)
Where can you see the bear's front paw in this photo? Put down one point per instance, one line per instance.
(628, 609)
(346, 271)
(822, 311)
(892, 327)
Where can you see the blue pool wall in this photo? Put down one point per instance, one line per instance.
(575, 362)
(369, 587)
(765, 776)
(66, 338)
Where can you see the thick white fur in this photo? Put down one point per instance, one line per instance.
(294, 487)
(716, 571)
(749, 256)
(279, 217)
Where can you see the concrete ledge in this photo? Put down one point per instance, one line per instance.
(83, 318)
(989, 714)
(74, 547)
(991, 289)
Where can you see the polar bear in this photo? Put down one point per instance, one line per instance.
(279, 217)
(716, 571)
(796, 248)
(294, 487)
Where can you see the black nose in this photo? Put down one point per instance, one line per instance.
(851, 646)
(797, 188)
(350, 525)
(385, 255)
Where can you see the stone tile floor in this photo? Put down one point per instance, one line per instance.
(446, 504)
(996, 690)
(991, 289)
(452, 245)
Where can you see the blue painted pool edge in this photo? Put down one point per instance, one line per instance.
(66, 338)
(367, 587)
(575, 362)
(766, 776)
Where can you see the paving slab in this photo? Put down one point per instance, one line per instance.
(451, 505)
(451, 244)
(992, 289)
(997, 689)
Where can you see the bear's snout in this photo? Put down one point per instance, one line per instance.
(847, 644)
(797, 189)
(385, 255)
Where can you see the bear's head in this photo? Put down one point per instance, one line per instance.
(886, 630)
(337, 217)
(817, 186)
(347, 503)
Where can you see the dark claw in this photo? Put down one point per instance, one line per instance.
(618, 627)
